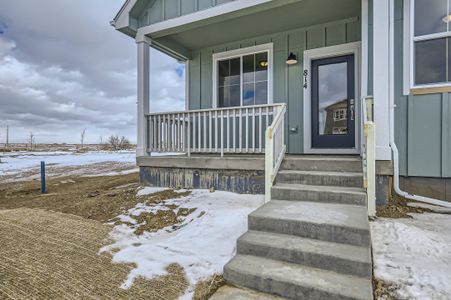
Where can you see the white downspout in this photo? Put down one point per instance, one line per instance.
(393, 146)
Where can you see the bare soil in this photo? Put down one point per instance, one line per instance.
(383, 290)
(50, 243)
(50, 255)
(205, 289)
(398, 208)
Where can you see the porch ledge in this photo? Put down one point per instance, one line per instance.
(228, 162)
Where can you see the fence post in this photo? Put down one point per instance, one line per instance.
(269, 155)
(43, 185)
(370, 129)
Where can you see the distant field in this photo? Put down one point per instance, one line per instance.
(52, 147)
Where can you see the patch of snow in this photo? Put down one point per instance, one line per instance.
(202, 244)
(17, 162)
(150, 190)
(414, 255)
(115, 173)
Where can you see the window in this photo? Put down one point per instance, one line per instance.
(340, 114)
(243, 77)
(431, 42)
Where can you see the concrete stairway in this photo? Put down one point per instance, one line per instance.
(312, 241)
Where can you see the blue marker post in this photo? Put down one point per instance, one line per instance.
(43, 188)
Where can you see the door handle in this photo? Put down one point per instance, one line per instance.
(352, 108)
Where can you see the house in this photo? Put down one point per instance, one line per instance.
(322, 105)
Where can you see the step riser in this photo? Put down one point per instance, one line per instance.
(322, 165)
(336, 264)
(280, 288)
(318, 196)
(351, 181)
(323, 232)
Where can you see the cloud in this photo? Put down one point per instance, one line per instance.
(63, 68)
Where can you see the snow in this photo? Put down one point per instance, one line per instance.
(16, 162)
(202, 243)
(414, 255)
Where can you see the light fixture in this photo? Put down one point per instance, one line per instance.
(447, 19)
(292, 59)
(263, 63)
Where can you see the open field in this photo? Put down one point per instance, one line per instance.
(97, 234)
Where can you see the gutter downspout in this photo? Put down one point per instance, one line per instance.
(393, 146)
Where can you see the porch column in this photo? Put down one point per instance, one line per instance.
(143, 96)
(382, 75)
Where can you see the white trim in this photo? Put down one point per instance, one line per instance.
(406, 49)
(200, 15)
(269, 47)
(364, 59)
(383, 50)
(187, 62)
(333, 51)
(122, 18)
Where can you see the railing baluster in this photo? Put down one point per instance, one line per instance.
(222, 133)
(210, 140)
(199, 132)
(194, 133)
(205, 132)
(216, 131)
(260, 137)
(240, 133)
(228, 130)
(247, 129)
(234, 130)
(253, 129)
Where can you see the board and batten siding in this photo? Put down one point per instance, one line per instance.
(422, 122)
(162, 10)
(288, 80)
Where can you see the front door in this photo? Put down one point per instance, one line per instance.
(333, 102)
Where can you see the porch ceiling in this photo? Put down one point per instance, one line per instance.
(297, 15)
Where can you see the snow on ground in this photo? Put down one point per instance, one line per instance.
(202, 243)
(414, 255)
(17, 162)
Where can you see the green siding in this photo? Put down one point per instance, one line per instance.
(162, 10)
(287, 79)
(422, 123)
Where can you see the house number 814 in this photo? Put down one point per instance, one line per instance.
(305, 79)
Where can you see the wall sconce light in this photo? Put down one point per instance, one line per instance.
(447, 19)
(292, 59)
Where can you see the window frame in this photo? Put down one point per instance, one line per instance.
(409, 49)
(240, 53)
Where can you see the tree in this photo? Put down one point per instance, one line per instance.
(118, 143)
(82, 138)
(31, 140)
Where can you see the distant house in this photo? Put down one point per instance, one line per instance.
(285, 91)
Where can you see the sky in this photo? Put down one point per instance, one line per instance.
(63, 68)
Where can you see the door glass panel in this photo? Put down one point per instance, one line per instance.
(248, 94)
(248, 68)
(333, 99)
(261, 92)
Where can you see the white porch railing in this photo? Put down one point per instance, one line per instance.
(220, 130)
(275, 149)
(369, 154)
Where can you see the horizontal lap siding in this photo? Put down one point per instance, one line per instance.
(422, 122)
(287, 80)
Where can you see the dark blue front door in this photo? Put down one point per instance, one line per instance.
(333, 102)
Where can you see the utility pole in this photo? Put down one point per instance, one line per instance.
(7, 136)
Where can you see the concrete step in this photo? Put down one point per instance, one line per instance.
(330, 222)
(323, 163)
(295, 281)
(340, 258)
(235, 293)
(346, 179)
(318, 193)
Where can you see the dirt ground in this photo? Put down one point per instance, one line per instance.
(50, 243)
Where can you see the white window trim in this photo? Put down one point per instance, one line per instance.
(409, 48)
(242, 52)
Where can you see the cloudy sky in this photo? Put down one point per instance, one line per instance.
(63, 68)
